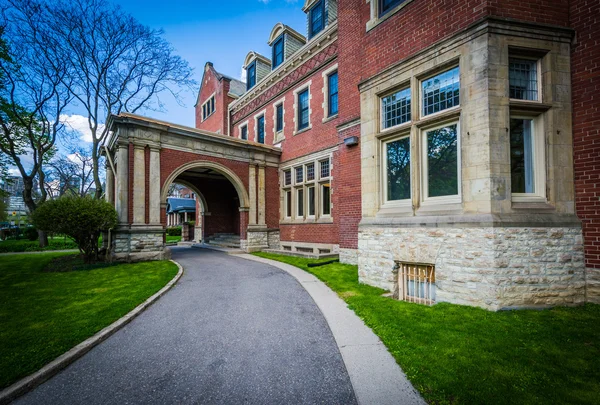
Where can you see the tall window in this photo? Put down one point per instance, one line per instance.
(387, 5)
(316, 19)
(441, 161)
(250, 75)
(523, 80)
(397, 158)
(307, 190)
(260, 129)
(279, 118)
(441, 92)
(303, 109)
(208, 108)
(325, 173)
(395, 108)
(333, 93)
(278, 52)
(522, 149)
(244, 133)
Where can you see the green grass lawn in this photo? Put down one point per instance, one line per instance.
(24, 245)
(42, 314)
(173, 239)
(455, 354)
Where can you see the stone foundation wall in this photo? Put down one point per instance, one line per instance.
(593, 285)
(273, 239)
(348, 256)
(138, 246)
(489, 267)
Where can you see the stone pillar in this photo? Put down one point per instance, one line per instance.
(109, 193)
(121, 182)
(139, 185)
(252, 196)
(185, 218)
(261, 196)
(154, 186)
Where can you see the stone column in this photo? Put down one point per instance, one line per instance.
(139, 185)
(261, 196)
(121, 182)
(110, 183)
(154, 186)
(252, 195)
(185, 218)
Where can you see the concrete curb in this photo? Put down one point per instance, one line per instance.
(55, 366)
(375, 376)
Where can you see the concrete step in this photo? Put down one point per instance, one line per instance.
(224, 244)
(306, 255)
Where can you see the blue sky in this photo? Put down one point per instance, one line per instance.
(222, 32)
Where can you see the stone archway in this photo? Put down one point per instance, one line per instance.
(144, 156)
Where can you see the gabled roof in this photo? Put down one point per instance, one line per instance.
(236, 87)
(180, 205)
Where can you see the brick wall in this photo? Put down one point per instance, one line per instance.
(217, 122)
(585, 71)
(347, 187)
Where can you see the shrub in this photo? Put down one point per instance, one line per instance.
(31, 233)
(174, 231)
(81, 218)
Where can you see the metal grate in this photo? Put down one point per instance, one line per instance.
(523, 81)
(416, 283)
(324, 168)
(310, 172)
(396, 108)
(441, 92)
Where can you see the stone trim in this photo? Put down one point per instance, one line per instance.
(246, 124)
(376, 19)
(299, 89)
(262, 113)
(325, 75)
(278, 136)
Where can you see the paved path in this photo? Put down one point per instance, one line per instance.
(232, 331)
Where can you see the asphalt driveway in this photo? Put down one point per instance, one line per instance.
(231, 331)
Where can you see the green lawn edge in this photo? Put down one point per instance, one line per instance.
(43, 315)
(455, 354)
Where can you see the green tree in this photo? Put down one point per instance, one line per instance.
(81, 218)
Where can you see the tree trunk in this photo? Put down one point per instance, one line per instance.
(95, 170)
(31, 206)
(42, 238)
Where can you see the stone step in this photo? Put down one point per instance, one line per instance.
(224, 244)
(306, 255)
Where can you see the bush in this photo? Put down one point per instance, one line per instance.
(81, 218)
(174, 231)
(31, 233)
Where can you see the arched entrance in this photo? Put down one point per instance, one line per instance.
(237, 179)
(218, 187)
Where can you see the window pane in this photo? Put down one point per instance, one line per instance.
(441, 92)
(386, 5)
(442, 161)
(278, 53)
(396, 108)
(300, 202)
(261, 130)
(316, 19)
(324, 168)
(303, 109)
(288, 177)
(311, 201)
(299, 175)
(333, 94)
(523, 79)
(245, 132)
(326, 198)
(521, 156)
(310, 172)
(398, 169)
(288, 203)
(251, 74)
(279, 118)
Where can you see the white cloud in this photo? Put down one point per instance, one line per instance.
(243, 75)
(14, 172)
(79, 124)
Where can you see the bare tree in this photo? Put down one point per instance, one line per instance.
(34, 90)
(70, 175)
(116, 63)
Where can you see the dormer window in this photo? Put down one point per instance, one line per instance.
(250, 75)
(278, 54)
(316, 17)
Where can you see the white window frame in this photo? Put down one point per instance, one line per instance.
(325, 76)
(539, 160)
(240, 126)
(438, 72)
(384, 178)
(297, 91)
(397, 89)
(278, 136)
(256, 117)
(376, 19)
(447, 199)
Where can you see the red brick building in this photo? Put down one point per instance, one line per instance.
(449, 148)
